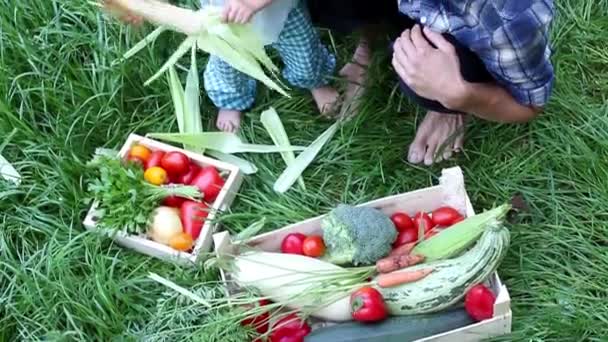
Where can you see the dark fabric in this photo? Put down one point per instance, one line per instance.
(471, 67)
(346, 16)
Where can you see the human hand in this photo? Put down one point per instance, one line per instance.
(241, 11)
(432, 73)
(121, 13)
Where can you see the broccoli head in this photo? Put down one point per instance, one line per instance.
(357, 235)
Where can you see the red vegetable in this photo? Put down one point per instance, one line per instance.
(406, 236)
(155, 159)
(446, 216)
(293, 244)
(313, 246)
(193, 215)
(175, 163)
(289, 329)
(173, 201)
(431, 233)
(479, 303)
(187, 177)
(423, 220)
(209, 182)
(367, 305)
(135, 160)
(402, 221)
(260, 322)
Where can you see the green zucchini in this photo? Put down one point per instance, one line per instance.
(451, 278)
(393, 329)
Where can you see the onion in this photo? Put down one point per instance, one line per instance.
(165, 224)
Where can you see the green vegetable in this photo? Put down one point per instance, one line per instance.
(357, 235)
(394, 329)
(453, 241)
(124, 200)
(450, 279)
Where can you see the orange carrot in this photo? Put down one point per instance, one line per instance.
(399, 278)
(397, 262)
(404, 249)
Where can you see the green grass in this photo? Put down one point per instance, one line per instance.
(58, 90)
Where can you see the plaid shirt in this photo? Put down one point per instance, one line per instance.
(510, 37)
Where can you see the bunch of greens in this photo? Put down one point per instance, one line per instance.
(125, 201)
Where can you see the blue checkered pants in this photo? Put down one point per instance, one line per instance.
(308, 65)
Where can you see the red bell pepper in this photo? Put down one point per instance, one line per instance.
(289, 329)
(367, 305)
(154, 159)
(173, 201)
(193, 215)
(209, 182)
(187, 177)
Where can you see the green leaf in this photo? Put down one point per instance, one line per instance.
(251, 231)
(220, 141)
(177, 95)
(150, 38)
(271, 121)
(8, 172)
(295, 170)
(246, 166)
(179, 53)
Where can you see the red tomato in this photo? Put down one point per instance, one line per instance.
(402, 221)
(289, 329)
(175, 163)
(406, 236)
(293, 244)
(479, 303)
(209, 182)
(193, 215)
(367, 305)
(313, 246)
(187, 177)
(155, 159)
(423, 220)
(173, 201)
(446, 216)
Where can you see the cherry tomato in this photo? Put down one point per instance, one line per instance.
(209, 182)
(154, 159)
(423, 220)
(156, 175)
(446, 216)
(141, 152)
(293, 244)
(313, 246)
(175, 163)
(479, 303)
(402, 221)
(173, 201)
(135, 160)
(187, 177)
(406, 236)
(182, 242)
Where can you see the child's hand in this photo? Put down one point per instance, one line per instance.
(121, 13)
(241, 11)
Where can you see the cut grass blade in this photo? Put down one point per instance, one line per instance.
(189, 294)
(271, 121)
(295, 170)
(246, 166)
(220, 141)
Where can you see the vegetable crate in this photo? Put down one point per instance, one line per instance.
(450, 192)
(223, 201)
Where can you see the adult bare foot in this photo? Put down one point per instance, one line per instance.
(228, 120)
(438, 137)
(326, 99)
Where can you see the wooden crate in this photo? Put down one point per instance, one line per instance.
(451, 191)
(223, 201)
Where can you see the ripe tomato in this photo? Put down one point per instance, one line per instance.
(402, 221)
(156, 175)
(182, 242)
(406, 236)
(209, 182)
(423, 220)
(135, 160)
(446, 216)
(313, 246)
(479, 303)
(154, 159)
(187, 177)
(140, 152)
(176, 163)
(293, 244)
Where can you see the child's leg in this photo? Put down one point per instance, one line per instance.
(308, 63)
(230, 90)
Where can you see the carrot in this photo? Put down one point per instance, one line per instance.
(397, 262)
(399, 278)
(404, 249)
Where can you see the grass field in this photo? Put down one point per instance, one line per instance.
(60, 98)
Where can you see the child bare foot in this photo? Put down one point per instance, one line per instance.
(228, 120)
(355, 73)
(326, 99)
